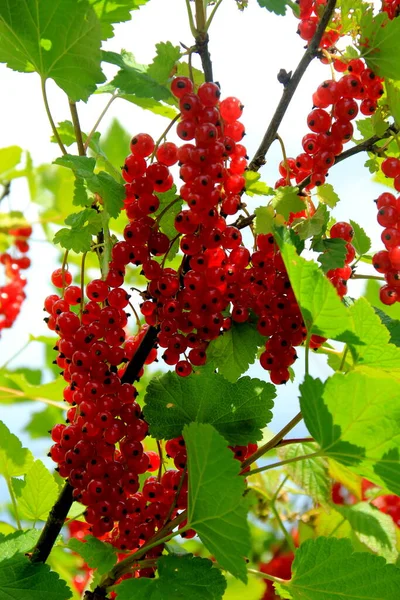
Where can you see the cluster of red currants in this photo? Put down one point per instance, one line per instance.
(387, 262)
(12, 292)
(331, 130)
(309, 12)
(391, 8)
(188, 304)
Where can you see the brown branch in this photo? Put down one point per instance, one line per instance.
(259, 158)
(53, 525)
(58, 513)
(203, 52)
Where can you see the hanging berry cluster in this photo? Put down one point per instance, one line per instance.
(12, 292)
(387, 262)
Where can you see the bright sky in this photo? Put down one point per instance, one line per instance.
(248, 49)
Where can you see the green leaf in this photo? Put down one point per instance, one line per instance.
(233, 352)
(168, 219)
(41, 422)
(360, 241)
(379, 43)
(97, 554)
(38, 494)
(162, 67)
(255, 187)
(112, 192)
(22, 580)
(312, 226)
(49, 391)
(373, 528)
(371, 293)
(264, 221)
(327, 195)
(328, 569)
(393, 99)
(117, 11)
(216, 507)
(333, 255)
(238, 411)
(323, 312)
(84, 225)
(376, 351)
(392, 325)
(180, 577)
(310, 474)
(351, 12)
(10, 157)
(59, 40)
(19, 541)
(115, 143)
(276, 6)
(287, 200)
(132, 78)
(14, 459)
(354, 425)
(82, 166)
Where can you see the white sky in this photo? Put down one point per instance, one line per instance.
(247, 49)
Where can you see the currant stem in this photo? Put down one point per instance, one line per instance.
(11, 393)
(82, 282)
(294, 441)
(77, 128)
(166, 209)
(163, 136)
(191, 20)
(14, 502)
(95, 126)
(270, 135)
(285, 160)
(281, 463)
(354, 276)
(307, 355)
(343, 361)
(212, 14)
(49, 116)
(273, 442)
(266, 576)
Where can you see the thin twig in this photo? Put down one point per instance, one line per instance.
(273, 442)
(289, 90)
(95, 126)
(281, 463)
(77, 128)
(49, 116)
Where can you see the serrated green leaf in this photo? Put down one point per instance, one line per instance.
(38, 494)
(309, 474)
(312, 226)
(112, 193)
(82, 166)
(372, 165)
(182, 70)
(255, 187)
(287, 200)
(327, 195)
(235, 350)
(134, 80)
(392, 325)
(180, 577)
(59, 40)
(323, 312)
(47, 391)
(376, 351)
(360, 241)
(14, 459)
(328, 569)
(373, 528)
(334, 254)
(276, 6)
(162, 67)
(117, 11)
(216, 507)
(19, 541)
(379, 43)
(264, 221)
(393, 99)
(22, 580)
(350, 15)
(84, 225)
(97, 554)
(10, 157)
(41, 422)
(354, 425)
(237, 411)
(80, 194)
